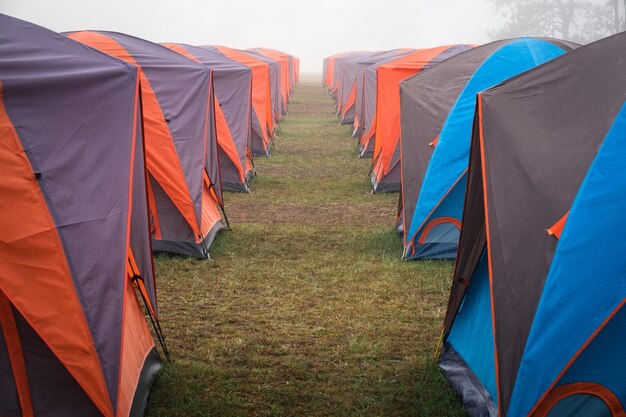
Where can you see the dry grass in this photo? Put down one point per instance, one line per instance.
(305, 308)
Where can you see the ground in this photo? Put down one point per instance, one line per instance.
(305, 308)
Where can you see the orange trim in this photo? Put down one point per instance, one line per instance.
(557, 229)
(261, 87)
(351, 100)
(129, 252)
(225, 139)
(27, 227)
(436, 222)
(132, 270)
(435, 208)
(136, 346)
(577, 354)
(16, 356)
(590, 388)
(490, 267)
(434, 142)
(153, 209)
(368, 137)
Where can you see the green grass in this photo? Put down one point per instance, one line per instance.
(305, 308)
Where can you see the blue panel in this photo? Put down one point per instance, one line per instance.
(580, 405)
(450, 158)
(587, 278)
(604, 360)
(472, 333)
(451, 206)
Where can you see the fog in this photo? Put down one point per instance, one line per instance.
(310, 30)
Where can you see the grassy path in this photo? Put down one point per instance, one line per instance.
(305, 308)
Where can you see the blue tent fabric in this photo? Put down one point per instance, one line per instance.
(471, 336)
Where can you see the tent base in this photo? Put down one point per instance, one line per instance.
(473, 395)
(433, 251)
(384, 186)
(236, 187)
(151, 367)
(196, 250)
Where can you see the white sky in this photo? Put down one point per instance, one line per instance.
(310, 29)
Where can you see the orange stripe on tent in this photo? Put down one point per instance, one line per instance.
(435, 222)
(16, 356)
(261, 87)
(225, 139)
(557, 228)
(162, 159)
(210, 212)
(351, 100)
(368, 136)
(137, 344)
(132, 271)
(283, 60)
(589, 388)
(27, 227)
(388, 80)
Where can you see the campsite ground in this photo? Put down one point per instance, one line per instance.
(305, 308)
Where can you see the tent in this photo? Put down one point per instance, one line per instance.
(285, 73)
(181, 157)
(361, 65)
(232, 83)
(275, 86)
(75, 232)
(536, 318)
(447, 92)
(367, 118)
(385, 175)
(345, 75)
(262, 118)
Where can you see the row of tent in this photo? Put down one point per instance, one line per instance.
(112, 147)
(522, 143)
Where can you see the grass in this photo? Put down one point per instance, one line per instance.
(305, 308)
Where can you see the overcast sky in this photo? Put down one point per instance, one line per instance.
(310, 29)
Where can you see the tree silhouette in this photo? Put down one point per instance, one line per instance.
(577, 20)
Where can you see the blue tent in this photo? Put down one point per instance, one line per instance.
(436, 185)
(535, 323)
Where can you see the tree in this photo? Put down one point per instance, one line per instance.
(577, 20)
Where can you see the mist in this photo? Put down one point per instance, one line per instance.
(309, 30)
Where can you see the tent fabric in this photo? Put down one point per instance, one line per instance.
(275, 86)
(176, 119)
(285, 72)
(369, 101)
(232, 83)
(448, 164)
(525, 172)
(262, 120)
(386, 155)
(361, 66)
(73, 188)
